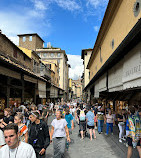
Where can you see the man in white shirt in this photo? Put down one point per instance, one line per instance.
(2, 140)
(15, 148)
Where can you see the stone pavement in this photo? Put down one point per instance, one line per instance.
(102, 147)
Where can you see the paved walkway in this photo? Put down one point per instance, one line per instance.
(102, 147)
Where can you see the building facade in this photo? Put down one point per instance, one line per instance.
(56, 56)
(60, 56)
(18, 82)
(77, 89)
(85, 55)
(115, 62)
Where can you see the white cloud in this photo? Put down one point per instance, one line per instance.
(77, 68)
(13, 23)
(96, 3)
(96, 28)
(39, 5)
(70, 5)
(96, 8)
(14, 39)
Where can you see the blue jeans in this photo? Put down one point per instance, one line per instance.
(109, 125)
(100, 125)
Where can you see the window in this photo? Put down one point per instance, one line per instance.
(14, 53)
(58, 61)
(39, 54)
(112, 44)
(45, 54)
(24, 39)
(52, 54)
(59, 54)
(137, 8)
(89, 74)
(100, 56)
(24, 58)
(30, 38)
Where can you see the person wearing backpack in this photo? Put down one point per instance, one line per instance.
(82, 122)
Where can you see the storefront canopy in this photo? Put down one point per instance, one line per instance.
(42, 89)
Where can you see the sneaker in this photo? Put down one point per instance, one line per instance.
(123, 139)
(120, 140)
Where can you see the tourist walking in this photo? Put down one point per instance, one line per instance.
(90, 123)
(109, 121)
(69, 119)
(134, 132)
(23, 130)
(121, 125)
(38, 135)
(59, 131)
(100, 118)
(82, 122)
(14, 147)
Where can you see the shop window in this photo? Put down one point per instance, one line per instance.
(137, 8)
(14, 53)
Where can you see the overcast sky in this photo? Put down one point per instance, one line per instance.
(71, 25)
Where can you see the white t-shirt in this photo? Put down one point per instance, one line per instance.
(59, 128)
(2, 140)
(23, 151)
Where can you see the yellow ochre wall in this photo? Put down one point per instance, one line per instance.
(121, 24)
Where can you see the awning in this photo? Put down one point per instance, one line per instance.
(103, 83)
(53, 92)
(115, 77)
(30, 79)
(130, 41)
(96, 89)
(132, 68)
(10, 73)
(42, 89)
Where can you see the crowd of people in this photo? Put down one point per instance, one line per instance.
(24, 131)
